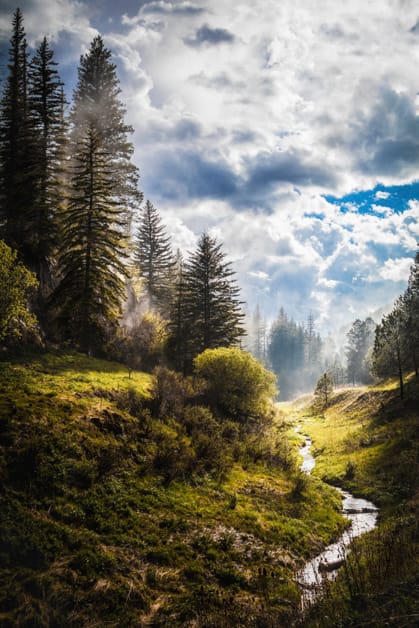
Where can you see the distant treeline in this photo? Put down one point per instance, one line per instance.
(299, 355)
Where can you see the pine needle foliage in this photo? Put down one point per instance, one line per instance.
(46, 107)
(154, 258)
(95, 222)
(16, 142)
(211, 307)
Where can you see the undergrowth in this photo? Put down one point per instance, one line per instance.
(116, 512)
(367, 441)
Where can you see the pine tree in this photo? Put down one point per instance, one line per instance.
(178, 326)
(360, 340)
(286, 353)
(258, 335)
(410, 301)
(97, 105)
(46, 107)
(211, 307)
(154, 258)
(16, 142)
(390, 348)
(95, 222)
(324, 388)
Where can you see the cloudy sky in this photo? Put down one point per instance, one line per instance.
(289, 130)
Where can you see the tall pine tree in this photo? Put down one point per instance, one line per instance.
(410, 301)
(154, 258)
(16, 143)
(46, 108)
(177, 344)
(95, 222)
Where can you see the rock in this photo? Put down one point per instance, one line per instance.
(330, 566)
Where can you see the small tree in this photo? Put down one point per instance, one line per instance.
(324, 388)
(16, 283)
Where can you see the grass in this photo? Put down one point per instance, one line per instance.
(367, 441)
(93, 533)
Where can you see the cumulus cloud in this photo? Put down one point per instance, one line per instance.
(381, 195)
(174, 8)
(396, 269)
(187, 175)
(292, 166)
(206, 35)
(245, 131)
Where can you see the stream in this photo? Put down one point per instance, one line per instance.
(363, 516)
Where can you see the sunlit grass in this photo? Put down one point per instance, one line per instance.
(108, 516)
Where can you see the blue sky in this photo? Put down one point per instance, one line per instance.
(289, 130)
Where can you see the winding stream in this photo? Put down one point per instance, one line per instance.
(363, 515)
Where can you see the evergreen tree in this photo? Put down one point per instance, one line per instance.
(16, 141)
(154, 258)
(258, 329)
(211, 307)
(95, 221)
(178, 328)
(46, 106)
(360, 340)
(324, 388)
(97, 105)
(313, 347)
(389, 352)
(410, 302)
(286, 352)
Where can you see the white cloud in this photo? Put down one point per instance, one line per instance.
(259, 274)
(242, 134)
(382, 195)
(396, 269)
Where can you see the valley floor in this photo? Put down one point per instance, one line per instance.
(93, 531)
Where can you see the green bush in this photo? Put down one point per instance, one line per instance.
(237, 385)
(16, 285)
(170, 392)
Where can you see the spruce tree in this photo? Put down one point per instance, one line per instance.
(410, 301)
(16, 142)
(324, 388)
(212, 310)
(178, 327)
(46, 108)
(258, 326)
(360, 340)
(390, 345)
(154, 258)
(102, 192)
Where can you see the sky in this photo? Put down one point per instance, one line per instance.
(288, 130)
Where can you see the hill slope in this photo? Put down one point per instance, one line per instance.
(367, 441)
(115, 514)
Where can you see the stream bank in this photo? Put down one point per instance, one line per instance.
(363, 516)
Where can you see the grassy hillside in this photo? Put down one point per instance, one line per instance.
(367, 441)
(115, 512)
